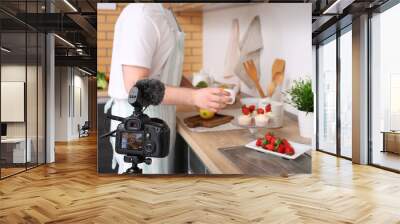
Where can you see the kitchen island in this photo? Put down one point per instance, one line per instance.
(206, 145)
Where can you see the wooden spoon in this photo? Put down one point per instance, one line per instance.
(278, 79)
(271, 89)
(251, 70)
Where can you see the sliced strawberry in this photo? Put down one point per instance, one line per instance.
(260, 111)
(268, 108)
(245, 111)
(252, 108)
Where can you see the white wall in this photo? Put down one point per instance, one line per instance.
(61, 103)
(12, 73)
(79, 118)
(67, 114)
(286, 31)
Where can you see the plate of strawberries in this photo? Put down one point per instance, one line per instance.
(278, 146)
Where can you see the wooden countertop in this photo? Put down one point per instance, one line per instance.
(206, 144)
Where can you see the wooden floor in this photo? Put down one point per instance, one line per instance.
(70, 191)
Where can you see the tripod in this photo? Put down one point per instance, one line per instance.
(135, 160)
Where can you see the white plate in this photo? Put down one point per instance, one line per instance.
(299, 149)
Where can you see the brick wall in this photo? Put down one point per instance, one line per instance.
(190, 22)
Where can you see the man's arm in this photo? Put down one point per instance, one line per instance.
(213, 99)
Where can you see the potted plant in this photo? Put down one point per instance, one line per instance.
(301, 97)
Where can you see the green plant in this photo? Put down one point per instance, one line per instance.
(301, 95)
(101, 80)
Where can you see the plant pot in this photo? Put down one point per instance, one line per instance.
(306, 124)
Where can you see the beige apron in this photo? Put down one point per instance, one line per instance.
(171, 75)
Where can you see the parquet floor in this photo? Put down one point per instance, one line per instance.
(70, 191)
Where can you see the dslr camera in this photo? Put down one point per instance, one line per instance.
(138, 136)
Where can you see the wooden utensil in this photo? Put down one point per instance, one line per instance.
(217, 120)
(271, 89)
(278, 79)
(277, 75)
(251, 70)
(277, 69)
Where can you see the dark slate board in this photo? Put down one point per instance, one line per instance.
(252, 162)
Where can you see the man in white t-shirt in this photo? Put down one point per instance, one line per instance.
(143, 41)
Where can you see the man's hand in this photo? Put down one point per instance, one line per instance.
(213, 99)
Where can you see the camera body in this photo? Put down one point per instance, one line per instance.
(140, 135)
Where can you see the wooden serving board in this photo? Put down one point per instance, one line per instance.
(197, 121)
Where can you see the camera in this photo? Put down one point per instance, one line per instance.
(138, 136)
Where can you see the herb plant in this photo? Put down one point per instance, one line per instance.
(301, 95)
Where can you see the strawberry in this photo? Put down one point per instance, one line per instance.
(259, 142)
(260, 111)
(265, 142)
(272, 141)
(252, 108)
(270, 147)
(245, 111)
(285, 142)
(289, 150)
(268, 108)
(278, 141)
(281, 149)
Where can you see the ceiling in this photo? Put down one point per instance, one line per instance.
(330, 16)
(73, 20)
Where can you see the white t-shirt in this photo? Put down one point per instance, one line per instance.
(142, 37)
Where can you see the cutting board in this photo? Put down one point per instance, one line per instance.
(197, 121)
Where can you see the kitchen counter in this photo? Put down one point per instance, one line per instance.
(206, 144)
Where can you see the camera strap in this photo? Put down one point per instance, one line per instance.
(107, 111)
(108, 105)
